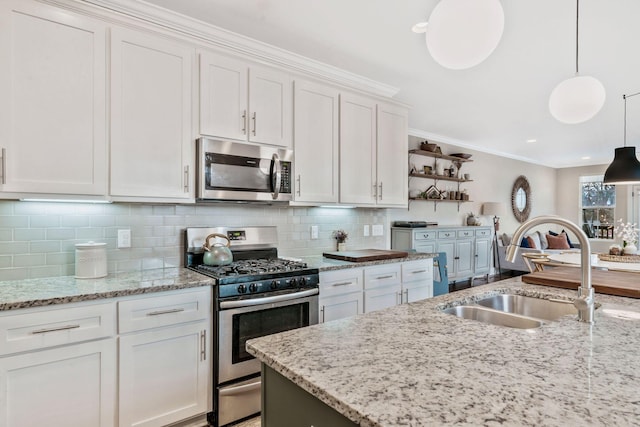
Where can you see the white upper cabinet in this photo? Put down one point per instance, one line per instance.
(315, 131)
(52, 101)
(391, 163)
(152, 153)
(244, 101)
(357, 150)
(373, 171)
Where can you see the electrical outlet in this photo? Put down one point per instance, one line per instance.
(124, 238)
(377, 230)
(314, 232)
(365, 231)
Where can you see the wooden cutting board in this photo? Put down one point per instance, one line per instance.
(621, 283)
(363, 255)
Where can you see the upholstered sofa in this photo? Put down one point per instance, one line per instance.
(540, 246)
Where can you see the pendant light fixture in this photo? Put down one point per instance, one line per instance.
(579, 98)
(462, 33)
(625, 168)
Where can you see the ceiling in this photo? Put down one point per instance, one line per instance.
(495, 106)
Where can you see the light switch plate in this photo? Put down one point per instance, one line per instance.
(314, 231)
(377, 230)
(124, 238)
(365, 231)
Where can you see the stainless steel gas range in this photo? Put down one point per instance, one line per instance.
(257, 294)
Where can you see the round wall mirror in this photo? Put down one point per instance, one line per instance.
(521, 199)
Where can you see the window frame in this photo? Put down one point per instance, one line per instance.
(595, 178)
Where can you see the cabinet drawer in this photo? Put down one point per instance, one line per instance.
(446, 234)
(43, 328)
(425, 235)
(466, 233)
(340, 282)
(384, 275)
(483, 233)
(415, 271)
(169, 308)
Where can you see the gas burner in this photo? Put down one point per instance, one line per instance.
(253, 267)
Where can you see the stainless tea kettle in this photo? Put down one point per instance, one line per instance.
(218, 253)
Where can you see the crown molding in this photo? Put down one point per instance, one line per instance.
(238, 44)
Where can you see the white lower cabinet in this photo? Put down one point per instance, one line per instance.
(341, 294)
(165, 361)
(58, 367)
(352, 291)
(62, 367)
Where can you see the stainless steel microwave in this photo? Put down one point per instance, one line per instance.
(238, 171)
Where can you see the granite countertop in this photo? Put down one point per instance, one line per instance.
(61, 290)
(328, 264)
(412, 365)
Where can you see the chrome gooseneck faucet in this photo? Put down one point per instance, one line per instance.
(585, 301)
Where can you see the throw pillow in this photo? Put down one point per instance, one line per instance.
(524, 243)
(531, 242)
(536, 241)
(543, 240)
(558, 242)
(565, 233)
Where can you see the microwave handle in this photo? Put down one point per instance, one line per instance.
(276, 175)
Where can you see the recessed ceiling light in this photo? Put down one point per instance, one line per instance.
(420, 27)
(532, 140)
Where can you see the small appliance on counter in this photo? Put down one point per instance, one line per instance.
(91, 260)
(414, 224)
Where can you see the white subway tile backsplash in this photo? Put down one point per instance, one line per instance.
(38, 239)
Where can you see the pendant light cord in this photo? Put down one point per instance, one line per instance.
(625, 115)
(577, 31)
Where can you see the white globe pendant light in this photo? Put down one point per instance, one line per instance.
(579, 98)
(463, 33)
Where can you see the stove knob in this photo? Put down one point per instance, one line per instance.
(242, 289)
(274, 284)
(293, 283)
(302, 281)
(253, 287)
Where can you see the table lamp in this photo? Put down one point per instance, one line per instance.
(496, 209)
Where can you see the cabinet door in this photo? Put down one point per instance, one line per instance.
(416, 291)
(164, 375)
(383, 297)
(151, 149)
(391, 155)
(449, 247)
(357, 150)
(52, 108)
(315, 142)
(270, 104)
(482, 256)
(71, 386)
(339, 306)
(223, 96)
(464, 258)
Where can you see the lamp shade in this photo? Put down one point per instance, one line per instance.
(625, 168)
(577, 99)
(494, 208)
(463, 33)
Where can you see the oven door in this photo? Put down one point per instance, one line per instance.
(242, 320)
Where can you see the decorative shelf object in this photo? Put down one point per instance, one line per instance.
(439, 177)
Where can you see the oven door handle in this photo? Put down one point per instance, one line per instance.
(245, 388)
(268, 300)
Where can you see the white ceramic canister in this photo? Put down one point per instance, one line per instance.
(91, 260)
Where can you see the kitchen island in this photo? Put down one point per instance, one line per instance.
(412, 365)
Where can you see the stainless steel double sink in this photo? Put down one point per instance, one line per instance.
(514, 311)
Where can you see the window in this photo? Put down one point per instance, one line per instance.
(597, 204)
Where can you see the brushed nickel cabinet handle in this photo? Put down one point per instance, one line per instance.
(203, 345)
(384, 277)
(342, 284)
(186, 179)
(160, 312)
(322, 311)
(254, 123)
(380, 195)
(418, 271)
(298, 189)
(3, 177)
(244, 122)
(375, 190)
(60, 328)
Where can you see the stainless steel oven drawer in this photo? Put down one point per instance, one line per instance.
(238, 400)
